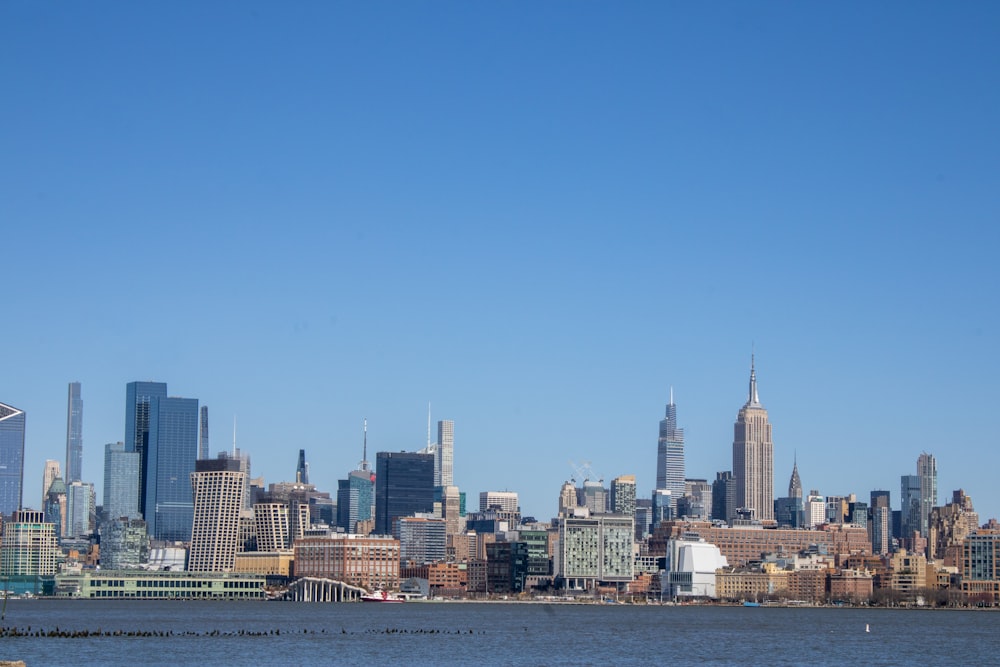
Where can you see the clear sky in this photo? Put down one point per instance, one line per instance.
(536, 216)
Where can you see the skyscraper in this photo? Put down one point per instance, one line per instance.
(121, 482)
(880, 523)
(670, 455)
(795, 484)
(79, 507)
(927, 471)
(404, 485)
(12, 423)
(623, 495)
(302, 468)
(173, 450)
(74, 434)
(138, 399)
(444, 474)
(909, 499)
(203, 433)
(49, 474)
(218, 498)
(753, 457)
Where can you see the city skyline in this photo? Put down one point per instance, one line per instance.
(537, 219)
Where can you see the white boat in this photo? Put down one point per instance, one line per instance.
(381, 596)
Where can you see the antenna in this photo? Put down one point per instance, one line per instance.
(364, 455)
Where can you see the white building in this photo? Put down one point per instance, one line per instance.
(815, 509)
(505, 500)
(691, 569)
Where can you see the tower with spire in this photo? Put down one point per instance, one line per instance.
(795, 484)
(753, 458)
(670, 455)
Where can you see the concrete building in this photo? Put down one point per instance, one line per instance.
(691, 568)
(815, 509)
(623, 495)
(444, 454)
(56, 507)
(594, 549)
(753, 458)
(28, 547)
(949, 526)
(981, 567)
(79, 509)
(503, 500)
(723, 496)
(593, 496)
(927, 472)
(506, 567)
(367, 561)
(219, 486)
(165, 585)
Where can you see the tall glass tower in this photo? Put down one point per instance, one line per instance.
(404, 485)
(11, 459)
(121, 482)
(753, 458)
(670, 456)
(927, 471)
(173, 450)
(138, 400)
(74, 434)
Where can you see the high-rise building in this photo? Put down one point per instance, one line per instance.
(243, 459)
(795, 484)
(28, 546)
(355, 497)
(421, 539)
(927, 471)
(55, 508)
(218, 498)
(74, 434)
(139, 397)
(124, 544)
(444, 454)
(164, 430)
(880, 522)
(49, 474)
(753, 458)
(909, 498)
(121, 482)
(815, 509)
(12, 455)
(593, 496)
(203, 433)
(670, 455)
(79, 508)
(505, 500)
(302, 468)
(404, 486)
(623, 495)
(723, 496)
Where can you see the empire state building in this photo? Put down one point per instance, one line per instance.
(753, 458)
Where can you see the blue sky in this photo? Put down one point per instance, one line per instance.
(536, 216)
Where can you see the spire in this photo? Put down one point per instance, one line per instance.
(364, 452)
(754, 399)
(795, 484)
(671, 395)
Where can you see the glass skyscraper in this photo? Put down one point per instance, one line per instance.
(670, 456)
(355, 497)
(74, 434)
(121, 482)
(11, 459)
(404, 485)
(138, 399)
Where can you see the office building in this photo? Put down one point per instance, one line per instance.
(451, 510)
(623, 495)
(723, 496)
(302, 469)
(670, 455)
(355, 499)
(55, 509)
(909, 496)
(753, 458)
(359, 560)
(219, 486)
(815, 509)
(243, 461)
(121, 482)
(593, 496)
(421, 539)
(74, 434)
(12, 423)
(139, 397)
(444, 454)
(203, 433)
(124, 543)
(981, 566)
(503, 500)
(404, 486)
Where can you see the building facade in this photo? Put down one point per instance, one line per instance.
(404, 486)
(368, 561)
(28, 546)
(12, 422)
(74, 434)
(172, 452)
(753, 458)
(623, 495)
(670, 455)
(121, 482)
(444, 454)
(218, 499)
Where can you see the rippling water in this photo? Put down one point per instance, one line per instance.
(280, 633)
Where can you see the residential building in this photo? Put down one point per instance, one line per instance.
(753, 458)
(421, 540)
(815, 510)
(927, 472)
(28, 546)
(506, 567)
(12, 423)
(74, 434)
(880, 525)
(594, 549)
(981, 567)
(910, 506)
(593, 496)
(79, 509)
(623, 495)
(670, 455)
(219, 486)
(404, 486)
(203, 433)
(444, 454)
(949, 526)
(355, 499)
(55, 510)
(124, 543)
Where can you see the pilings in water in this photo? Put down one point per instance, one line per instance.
(310, 589)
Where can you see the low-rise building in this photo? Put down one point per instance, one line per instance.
(368, 561)
(162, 585)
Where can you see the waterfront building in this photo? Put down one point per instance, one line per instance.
(219, 486)
(121, 482)
(851, 585)
(691, 567)
(595, 549)
(752, 583)
(623, 495)
(506, 567)
(124, 543)
(79, 509)
(421, 540)
(50, 472)
(74, 434)
(908, 573)
(268, 563)
(742, 544)
(753, 458)
(162, 585)
(12, 423)
(980, 566)
(404, 486)
(28, 546)
(367, 561)
(444, 454)
(503, 500)
(670, 455)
